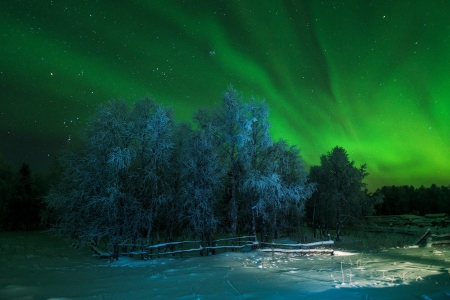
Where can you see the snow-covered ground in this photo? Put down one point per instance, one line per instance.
(38, 266)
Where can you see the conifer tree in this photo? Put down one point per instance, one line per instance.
(341, 193)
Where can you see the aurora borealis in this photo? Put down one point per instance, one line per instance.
(369, 76)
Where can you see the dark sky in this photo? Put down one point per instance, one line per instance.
(370, 76)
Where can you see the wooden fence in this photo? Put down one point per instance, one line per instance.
(203, 248)
(298, 248)
(174, 248)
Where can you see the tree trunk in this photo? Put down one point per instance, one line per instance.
(115, 254)
(274, 229)
(253, 222)
(148, 236)
(212, 244)
(338, 232)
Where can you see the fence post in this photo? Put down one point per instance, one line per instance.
(273, 252)
(213, 243)
(181, 249)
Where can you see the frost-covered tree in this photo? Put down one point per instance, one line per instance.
(291, 169)
(113, 183)
(341, 195)
(256, 159)
(272, 180)
(85, 200)
(93, 198)
(260, 182)
(280, 187)
(231, 129)
(171, 215)
(154, 145)
(202, 175)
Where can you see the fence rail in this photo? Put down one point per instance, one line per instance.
(298, 248)
(298, 251)
(434, 239)
(207, 247)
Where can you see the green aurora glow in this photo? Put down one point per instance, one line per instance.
(370, 77)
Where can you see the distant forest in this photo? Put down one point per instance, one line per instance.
(410, 200)
(135, 173)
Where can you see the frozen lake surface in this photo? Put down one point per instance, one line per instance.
(38, 266)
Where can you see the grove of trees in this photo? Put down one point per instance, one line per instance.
(136, 173)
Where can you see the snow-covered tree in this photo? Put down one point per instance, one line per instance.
(154, 145)
(255, 157)
(202, 175)
(113, 183)
(263, 179)
(280, 187)
(171, 215)
(92, 199)
(231, 130)
(292, 171)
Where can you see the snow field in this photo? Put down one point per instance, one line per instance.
(36, 266)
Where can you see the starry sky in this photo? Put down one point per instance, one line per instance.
(369, 76)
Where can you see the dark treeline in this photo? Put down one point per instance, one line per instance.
(410, 200)
(22, 194)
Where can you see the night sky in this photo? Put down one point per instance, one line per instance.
(369, 76)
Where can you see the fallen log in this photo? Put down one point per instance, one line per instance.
(101, 253)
